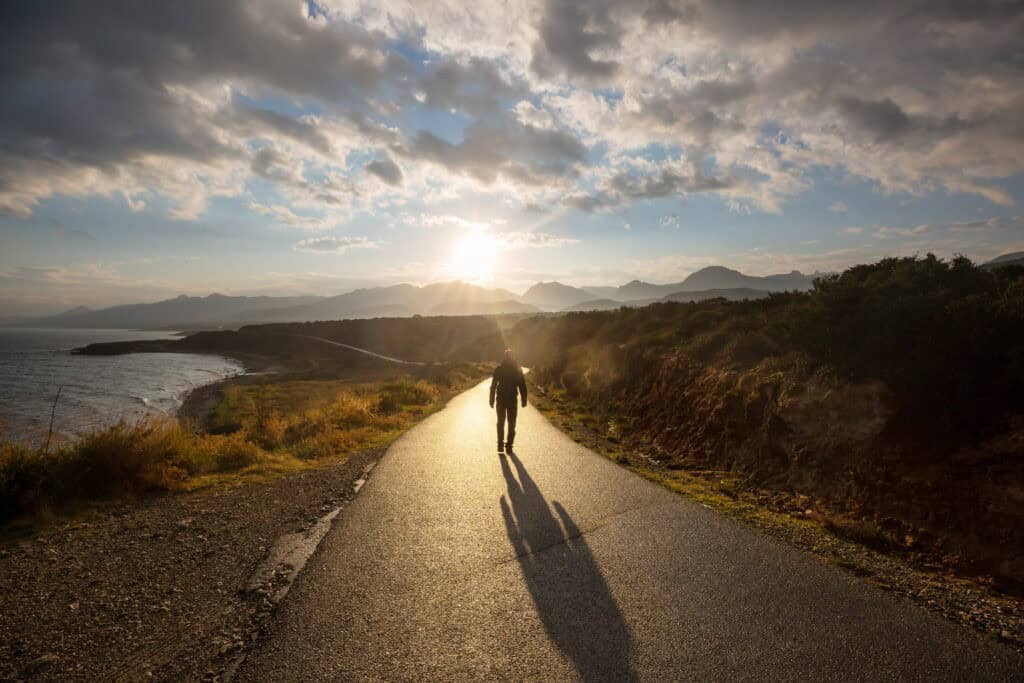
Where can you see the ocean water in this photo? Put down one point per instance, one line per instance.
(96, 391)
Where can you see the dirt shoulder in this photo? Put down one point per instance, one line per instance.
(801, 522)
(154, 587)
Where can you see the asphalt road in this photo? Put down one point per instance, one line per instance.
(555, 564)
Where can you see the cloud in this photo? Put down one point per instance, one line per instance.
(882, 119)
(983, 224)
(505, 149)
(333, 245)
(283, 216)
(532, 240)
(570, 35)
(387, 170)
(838, 207)
(669, 221)
(886, 232)
(431, 220)
(530, 102)
(853, 230)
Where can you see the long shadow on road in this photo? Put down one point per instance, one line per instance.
(578, 611)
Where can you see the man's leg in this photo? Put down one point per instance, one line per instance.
(501, 425)
(513, 411)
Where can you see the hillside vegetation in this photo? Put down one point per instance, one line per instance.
(892, 392)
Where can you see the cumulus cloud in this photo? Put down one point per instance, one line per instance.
(283, 216)
(333, 245)
(552, 102)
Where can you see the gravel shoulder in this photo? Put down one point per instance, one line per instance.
(153, 587)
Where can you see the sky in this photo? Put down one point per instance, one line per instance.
(284, 147)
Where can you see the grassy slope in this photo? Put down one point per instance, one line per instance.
(853, 545)
(892, 394)
(256, 431)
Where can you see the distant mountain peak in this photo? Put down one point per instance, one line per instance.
(555, 296)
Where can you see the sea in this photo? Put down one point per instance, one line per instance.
(95, 391)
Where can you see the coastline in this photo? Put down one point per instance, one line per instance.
(199, 401)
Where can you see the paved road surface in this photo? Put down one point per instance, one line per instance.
(454, 563)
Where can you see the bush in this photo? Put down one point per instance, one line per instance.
(393, 397)
(24, 474)
(129, 459)
(943, 336)
(235, 453)
(268, 430)
(351, 411)
(226, 417)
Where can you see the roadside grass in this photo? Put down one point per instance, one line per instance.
(257, 432)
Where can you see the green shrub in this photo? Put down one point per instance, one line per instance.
(227, 415)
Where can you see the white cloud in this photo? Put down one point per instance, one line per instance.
(838, 207)
(333, 245)
(531, 240)
(284, 216)
(886, 232)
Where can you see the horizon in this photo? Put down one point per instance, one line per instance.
(518, 294)
(372, 144)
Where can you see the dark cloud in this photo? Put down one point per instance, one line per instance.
(570, 32)
(506, 147)
(254, 121)
(475, 86)
(104, 86)
(625, 187)
(387, 170)
(109, 97)
(883, 119)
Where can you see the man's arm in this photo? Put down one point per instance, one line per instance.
(494, 385)
(522, 386)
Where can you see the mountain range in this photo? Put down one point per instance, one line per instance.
(448, 298)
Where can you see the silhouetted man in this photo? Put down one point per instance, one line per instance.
(507, 381)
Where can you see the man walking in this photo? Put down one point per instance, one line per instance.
(506, 382)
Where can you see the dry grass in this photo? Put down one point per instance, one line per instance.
(258, 431)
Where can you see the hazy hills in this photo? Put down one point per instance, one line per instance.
(447, 298)
(1015, 258)
(182, 311)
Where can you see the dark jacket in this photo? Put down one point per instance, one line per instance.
(508, 378)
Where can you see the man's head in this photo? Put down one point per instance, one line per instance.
(510, 357)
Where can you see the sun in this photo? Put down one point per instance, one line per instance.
(473, 257)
